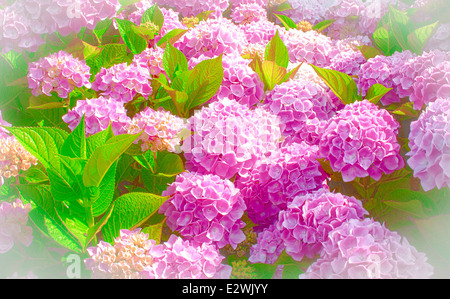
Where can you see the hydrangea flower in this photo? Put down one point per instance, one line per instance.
(59, 72)
(228, 138)
(303, 107)
(151, 58)
(180, 259)
(205, 209)
(212, 37)
(312, 11)
(13, 225)
(361, 140)
(268, 247)
(429, 157)
(13, 158)
(129, 255)
(348, 58)
(189, 8)
(161, 130)
(367, 249)
(99, 113)
(259, 32)
(383, 69)
(308, 220)
(432, 83)
(274, 182)
(122, 82)
(248, 12)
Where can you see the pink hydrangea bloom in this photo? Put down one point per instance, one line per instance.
(205, 209)
(228, 138)
(440, 39)
(361, 140)
(303, 107)
(161, 130)
(311, 46)
(430, 145)
(276, 180)
(308, 220)
(259, 32)
(432, 83)
(212, 37)
(99, 113)
(151, 58)
(180, 259)
(135, 11)
(13, 225)
(59, 72)
(122, 82)
(312, 11)
(189, 8)
(349, 58)
(13, 158)
(248, 12)
(268, 247)
(367, 249)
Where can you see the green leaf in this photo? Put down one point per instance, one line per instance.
(169, 163)
(134, 42)
(94, 230)
(154, 231)
(368, 51)
(400, 25)
(101, 28)
(291, 74)
(286, 21)
(407, 109)
(146, 160)
(104, 157)
(113, 54)
(43, 143)
(284, 6)
(131, 210)
(107, 189)
(321, 26)
(34, 175)
(407, 201)
(204, 15)
(66, 182)
(343, 86)
(98, 139)
(75, 144)
(386, 41)
(174, 61)
(154, 15)
(45, 102)
(273, 73)
(277, 51)
(376, 92)
(171, 37)
(419, 37)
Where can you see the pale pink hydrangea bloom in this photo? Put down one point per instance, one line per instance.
(59, 72)
(308, 220)
(348, 58)
(151, 58)
(361, 140)
(161, 130)
(429, 142)
(189, 8)
(13, 158)
(247, 13)
(366, 249)
(312, 11)
(259, 32)
(99, 113)
(268, 247)
(13, 225)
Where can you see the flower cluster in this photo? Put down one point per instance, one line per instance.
(245, 13)
(161, 130)
(122, 82)
(367, 249)
(429, 156)
(194, 7)
(206, 209)
(268, 247)
(259, 32)
(59, 72)
(99, 113)
(361, 140)
(13, 157)
(228, 138)
(349, 58)
(13, 225)
(275, 181)
(151, 59)
(305, 224)
(311, 10)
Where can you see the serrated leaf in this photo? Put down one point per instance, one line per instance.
(172, 36)
(107, 188)
(134, 42)
(94, 230)
(368, 51)
(321, 26)
(169, 163)
(113, 54)
(408, 201)
(400, 25)
(174, 61)
(286, 21)
(277, 52)
(154, 15)
(273, 73)
(75, 144)
(97, 140)
(342, 85)
(104, 157)
(419, 37)
(130, 211)
(376, 92)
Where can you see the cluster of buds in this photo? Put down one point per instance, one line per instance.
(304, 26)
(14, 157)
(242, 270)
(190, 22)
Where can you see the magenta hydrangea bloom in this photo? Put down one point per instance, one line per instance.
(180, 259)
(304, 108)
(361, 140)
(161, 130)
(276, 180)
(189, 8)
(245, 13)
(268, 247)
(13, 225)
(430, 145)
(99, 113)
(122, 82)
(432, 83)
(260, 32)
(349, 58)
(311, 46)
(308, 220)
(59, 72)
(151, 58)
(383, 69)
(364, 249)
(212, 37)
(205, 209)
(228, 138)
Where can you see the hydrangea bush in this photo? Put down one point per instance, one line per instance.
(225, 139)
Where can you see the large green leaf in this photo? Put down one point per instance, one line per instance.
(66, 182)
(343, 86)
(277, 52)
(376, 92)
(107, 188)
(130, 211)
(418, 38)
(171, 37)
(43, 143)
(286, 21)
(104, 157)
(154, 15)
(174, 61)
(75, 144)
(407, 201)
(273, 73)
(134, 42)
